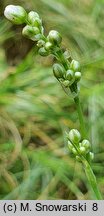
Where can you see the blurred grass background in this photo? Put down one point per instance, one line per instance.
(35, 112)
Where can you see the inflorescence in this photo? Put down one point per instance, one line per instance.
(79, 148)
(67, 71)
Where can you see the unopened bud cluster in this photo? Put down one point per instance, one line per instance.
(17, 15)
(49, 43)
(33, 30)
(79, 147)
(70, 76)
(68, 73)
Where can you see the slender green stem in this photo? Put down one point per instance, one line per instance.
(80, 115)
(91, 178)
(73, 88)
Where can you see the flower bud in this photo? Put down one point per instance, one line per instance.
(30, 32)
(91, 155)
(43, 52)
(70, 146)
(75, 65)
(74, 151)
(58, 71)
(80, 144)
(77, 76)
(69, 75)
(74, 136)
(54, 37)
(86, 144)
(41, 29)
(31, 17)
(82, 150)
(16, 14)
(67, 54)
(66, 83)
(48, 46)
(37, 37)
(41, 43)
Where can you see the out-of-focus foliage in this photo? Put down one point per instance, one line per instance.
(34, 110)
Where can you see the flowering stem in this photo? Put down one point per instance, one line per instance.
(67, 73)
(74, 90)
(80, 115)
